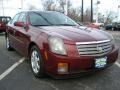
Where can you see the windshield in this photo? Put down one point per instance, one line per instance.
(50, 18)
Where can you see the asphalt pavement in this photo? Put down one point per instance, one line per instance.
(20, 77)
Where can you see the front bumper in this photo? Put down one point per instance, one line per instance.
(76, 65)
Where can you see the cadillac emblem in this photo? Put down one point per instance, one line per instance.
(99, 49)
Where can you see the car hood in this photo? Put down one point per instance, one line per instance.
(76, 33)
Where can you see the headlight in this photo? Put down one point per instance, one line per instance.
(57, 46)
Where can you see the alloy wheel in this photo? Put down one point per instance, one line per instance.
(35, 61)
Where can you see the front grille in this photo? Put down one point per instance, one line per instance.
(94, 48)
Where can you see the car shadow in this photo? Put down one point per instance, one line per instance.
(82, 82)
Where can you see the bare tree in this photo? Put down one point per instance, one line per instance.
(49, 5)
(87, 15)
(110, 16)
(75, 14)
(101, 18)
(62, 4)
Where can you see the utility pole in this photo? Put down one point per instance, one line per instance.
(2, 7)
(118, 13)
(91, 10)
(66, 7)
(82, 10)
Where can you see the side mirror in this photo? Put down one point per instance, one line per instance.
(19, 24)
(79, 23)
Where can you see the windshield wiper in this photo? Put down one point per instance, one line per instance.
(41, 25)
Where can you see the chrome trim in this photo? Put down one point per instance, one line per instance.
(93, 42)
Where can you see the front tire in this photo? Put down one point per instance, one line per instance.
(36, 62)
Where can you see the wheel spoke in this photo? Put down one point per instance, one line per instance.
(38, 66)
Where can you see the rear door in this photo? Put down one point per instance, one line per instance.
(11, 31)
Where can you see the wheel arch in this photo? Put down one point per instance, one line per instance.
(31, 44)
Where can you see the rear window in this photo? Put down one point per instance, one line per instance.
(4, 19)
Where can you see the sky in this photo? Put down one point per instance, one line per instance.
(104, 5)
(13, 6)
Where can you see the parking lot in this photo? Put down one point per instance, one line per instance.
(15, 74)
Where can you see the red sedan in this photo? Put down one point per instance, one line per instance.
(56, 45)
(93, 25)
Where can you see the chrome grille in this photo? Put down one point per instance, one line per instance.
(94, 48)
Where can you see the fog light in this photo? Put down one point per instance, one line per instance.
(62, 68)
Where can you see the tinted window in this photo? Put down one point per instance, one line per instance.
(50, 18)
(22, 17)
(15, 18)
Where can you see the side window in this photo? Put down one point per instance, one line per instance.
(22, 17)
(15, 18)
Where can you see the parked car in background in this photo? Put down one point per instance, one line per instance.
(3, 21)
(108, 27)
(56, 45)
(116, 26)
(99, 24)
(92, 25)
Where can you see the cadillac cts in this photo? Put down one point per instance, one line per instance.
(56, 45)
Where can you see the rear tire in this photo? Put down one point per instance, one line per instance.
(36, 62)
(8, 46)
